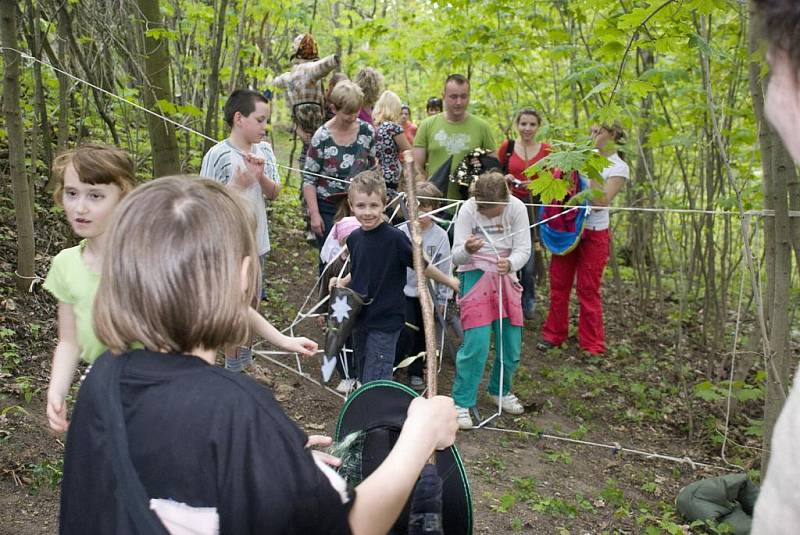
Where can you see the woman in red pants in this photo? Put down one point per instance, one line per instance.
(588, 259)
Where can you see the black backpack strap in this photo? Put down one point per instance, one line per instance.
(130, 490)
(507, 156)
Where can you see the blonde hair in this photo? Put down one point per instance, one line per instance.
(95, 163)
(371, 83)
(347, 97)
(387, 109)
(173, 279)
(367, 182)
(490, 187)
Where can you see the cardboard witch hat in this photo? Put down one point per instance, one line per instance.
(343, 311)
(378, 410)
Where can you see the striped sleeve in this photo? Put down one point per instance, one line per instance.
(217, 164)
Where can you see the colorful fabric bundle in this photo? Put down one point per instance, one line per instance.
(562, 233)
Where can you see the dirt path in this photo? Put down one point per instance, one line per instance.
(520, 482)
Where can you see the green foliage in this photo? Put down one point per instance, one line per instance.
(741, 391)
(46, 473)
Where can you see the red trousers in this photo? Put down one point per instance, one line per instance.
(587, 260)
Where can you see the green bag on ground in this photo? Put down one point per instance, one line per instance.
(728, 499)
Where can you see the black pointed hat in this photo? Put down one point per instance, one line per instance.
(379, 410)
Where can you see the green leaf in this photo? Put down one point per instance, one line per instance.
(602, 86)
(167, 107)
(695, 41)
(707, 391)
(640, 88)
(162, 33)
(549, 188)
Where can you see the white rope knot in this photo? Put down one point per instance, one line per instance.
(36, 279)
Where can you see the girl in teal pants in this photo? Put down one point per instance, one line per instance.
(491, 242)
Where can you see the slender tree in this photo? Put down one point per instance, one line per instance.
(23, 208)
(163, 142)
(778, 171)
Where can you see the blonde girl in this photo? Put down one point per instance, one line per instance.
(92, 180)
(390, 141)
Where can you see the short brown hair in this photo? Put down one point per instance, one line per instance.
(367, 182)
(616, 131)
(182, 290)
(458, 79)
(95, 163)
(347, 97)
(490, 187)
(429, 190)
(528, 111)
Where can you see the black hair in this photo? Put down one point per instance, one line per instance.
(434, 102)
(243, 101)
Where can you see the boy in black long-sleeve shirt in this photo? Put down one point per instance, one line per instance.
(379, 256)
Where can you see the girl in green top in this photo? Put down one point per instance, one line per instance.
(92, 180)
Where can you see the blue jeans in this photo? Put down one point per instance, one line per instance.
(527, 277)
(374, 353)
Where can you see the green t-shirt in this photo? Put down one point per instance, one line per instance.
(441, 139)
(71, 281)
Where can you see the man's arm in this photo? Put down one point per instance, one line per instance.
(420, 158)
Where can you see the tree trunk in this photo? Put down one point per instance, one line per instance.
(778, 168)
(23, 208)
(163, 142)
(235, 60)
(213, 78)
(43, 122)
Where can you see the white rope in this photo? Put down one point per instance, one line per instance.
(36, 279)
(616, 448)
(497, 343)
(305, 376)
(138, 106)
(653, 209)
(25, 55)
(731, 375)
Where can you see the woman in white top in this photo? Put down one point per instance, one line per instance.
(588, 259)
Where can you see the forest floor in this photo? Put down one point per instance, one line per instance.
(639, 395)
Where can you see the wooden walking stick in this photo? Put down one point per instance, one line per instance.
(425, 516)
(425, 299)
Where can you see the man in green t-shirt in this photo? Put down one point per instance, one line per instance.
(455, 132)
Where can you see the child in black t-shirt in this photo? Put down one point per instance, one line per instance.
(379, 256)
(178, 412)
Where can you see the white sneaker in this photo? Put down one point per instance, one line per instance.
(346, 385)
(509, 404)
(463, 418)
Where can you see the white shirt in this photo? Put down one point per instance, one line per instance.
(223, 160)
(598, 217)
